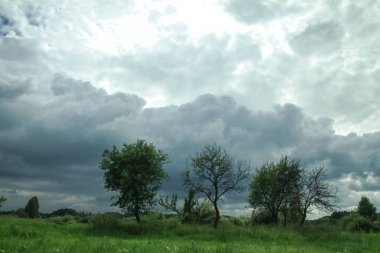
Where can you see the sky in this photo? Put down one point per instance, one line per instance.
(262, 79)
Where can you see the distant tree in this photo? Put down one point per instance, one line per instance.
(64, 211)
(316, 192)
(275, 187)
(366, 208)
(21, 213)
(213, 173)
(2, 200)
(32, 207)
(136, 173)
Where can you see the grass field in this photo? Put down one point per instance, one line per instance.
(46, 235)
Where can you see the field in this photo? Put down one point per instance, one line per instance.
(66, 235)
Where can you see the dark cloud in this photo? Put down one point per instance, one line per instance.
(62, 141)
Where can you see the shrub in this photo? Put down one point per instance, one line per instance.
(261, 217)
(354, 222)
(107, 221)
(204, 213)
(67, 219)
(21, 213)
(64, 211)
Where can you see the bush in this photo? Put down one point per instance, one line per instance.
(107, 221)
(21, 213)
(354, 222)
(338, 215)
(64, 211)
(375, 226)
(204, 213)
(67, 219)
(261, 217)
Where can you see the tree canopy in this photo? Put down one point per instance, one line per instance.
(214, 173)
(366, 208)
(136, 173)
(2, 200)
(32, 207)
(275, 186)
(291, 189)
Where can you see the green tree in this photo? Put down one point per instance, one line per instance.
(2, 200)
(136, 173)
(186, 214)
(32, 207)
(213, 173)
(275, 187)
(366, 208)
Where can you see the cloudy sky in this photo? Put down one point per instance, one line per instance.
(260, 78)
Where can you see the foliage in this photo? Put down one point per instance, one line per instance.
(338, 215)
(39, 235)
(32, 207)
(214, 173)
(65, 219)
(203, 213)
(136, 173)
(21, 213)
(64, 211)
(2, 200)
(170, 204)
(366, 208)
(261, 216)
(275, 186)
(354, 222)
(107, 221)
(189, 207)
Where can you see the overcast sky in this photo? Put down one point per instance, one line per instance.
(260, 78)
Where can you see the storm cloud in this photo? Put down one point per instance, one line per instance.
(262, 79)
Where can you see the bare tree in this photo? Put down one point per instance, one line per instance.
(316, 192)
(214, 173)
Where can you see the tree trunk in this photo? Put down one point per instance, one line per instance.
(137, 215)
(217, 216)
(303, 218)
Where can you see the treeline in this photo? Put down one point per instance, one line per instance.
(282, 192)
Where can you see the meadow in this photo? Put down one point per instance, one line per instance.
(65, 234)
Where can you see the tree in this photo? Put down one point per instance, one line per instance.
(275, 187)
(136, 173)
(2, 200)
(186, 214)
(32, 207)
(366, 208)
(214, 173)
(316, 192)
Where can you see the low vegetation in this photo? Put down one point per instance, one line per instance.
(156, 233)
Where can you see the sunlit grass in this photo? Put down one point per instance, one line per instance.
(44, 235)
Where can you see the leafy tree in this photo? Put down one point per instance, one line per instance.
(2, 200)
(316, 192)
(189, 206)
(214, 173)
(366, 208)
(136, 173)
(32, 207)
(275, 186)
(187, 212)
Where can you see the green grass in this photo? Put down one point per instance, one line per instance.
(48, 235)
